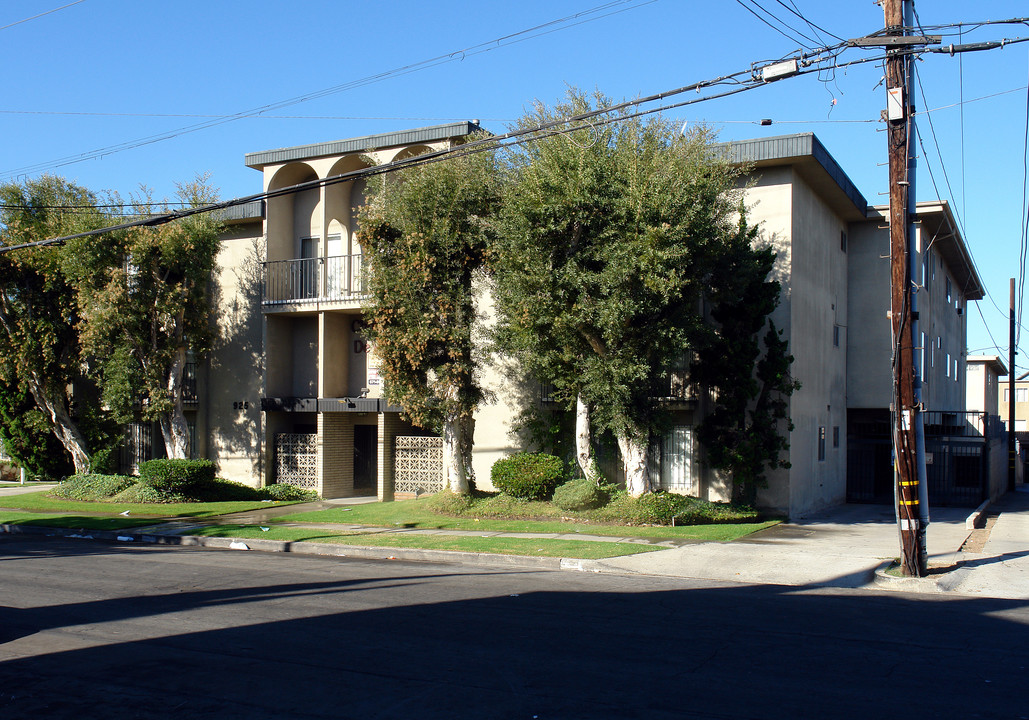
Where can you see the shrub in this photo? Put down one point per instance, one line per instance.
(220, 490)
(92, 487)
(657, 508)
(530, 476)
(282, 491)
(579, 494)
(664, 508)
(446, 502)
(104, 461)
(143, 493)
(176, 476)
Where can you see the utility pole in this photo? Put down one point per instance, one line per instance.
(908, 433)
(1011, 387)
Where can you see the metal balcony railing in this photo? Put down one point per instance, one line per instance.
(313, 279)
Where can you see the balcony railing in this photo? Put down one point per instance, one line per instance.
(313, 280)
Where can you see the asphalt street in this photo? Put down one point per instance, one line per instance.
(93, 630)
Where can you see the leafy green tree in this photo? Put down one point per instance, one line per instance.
(28, 438)
(748, 374)
(144, 302)
(40, 351)
(613, 231)
(425, 232)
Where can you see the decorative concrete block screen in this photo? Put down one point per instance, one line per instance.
(296, 459)
(419, 465)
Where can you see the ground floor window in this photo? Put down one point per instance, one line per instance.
(676, 460)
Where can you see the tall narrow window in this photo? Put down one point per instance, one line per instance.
(835, 335)
(821, 443)
(843, 240)
(835, 436)
(676, 460)
(307, 268)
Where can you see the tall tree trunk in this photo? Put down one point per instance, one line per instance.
(61, 423)
(457, 470)
(634, 457)
(458, 430)
(584, 442)
(174, 427)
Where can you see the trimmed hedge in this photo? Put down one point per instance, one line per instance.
(92, 487)
(530, 476)
(176, 476)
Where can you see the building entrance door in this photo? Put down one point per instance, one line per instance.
(366, 457)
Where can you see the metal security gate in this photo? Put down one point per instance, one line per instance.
(957, 460)
(957, 470)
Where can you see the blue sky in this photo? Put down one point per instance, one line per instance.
(96, 75)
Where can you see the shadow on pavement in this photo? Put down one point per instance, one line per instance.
(255, 637)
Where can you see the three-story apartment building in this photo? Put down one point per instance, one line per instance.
(293, 392)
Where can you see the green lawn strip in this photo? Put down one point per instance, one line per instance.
(414, 514)
(40, 501)
(83, 522)
(534, 547)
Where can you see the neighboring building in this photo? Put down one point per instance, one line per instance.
(292, 392)
(982, 382)
(1021, 402)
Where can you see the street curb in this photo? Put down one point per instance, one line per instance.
(884, 580)
(518, 562)
(975, 520)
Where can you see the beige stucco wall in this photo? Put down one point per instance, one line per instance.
(508, 391)
(229, 418)
(812, 269)
(869, 380)
(943, 384)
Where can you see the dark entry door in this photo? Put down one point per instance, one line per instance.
(366, 457)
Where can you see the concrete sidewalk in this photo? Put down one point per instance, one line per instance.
(1001, 568)
(849, 546)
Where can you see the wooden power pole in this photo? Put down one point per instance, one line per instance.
(908, 434)
(1011, 387)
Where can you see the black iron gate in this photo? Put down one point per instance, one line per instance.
(957, 448)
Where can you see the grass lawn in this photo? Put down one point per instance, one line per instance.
(83, 522)
(39, 501)
(415, 514)
(462, 543)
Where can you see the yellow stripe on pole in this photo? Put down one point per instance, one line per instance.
(909, 502)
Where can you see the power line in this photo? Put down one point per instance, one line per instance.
(595, 13)
(514, 137)
(34, 17)
(786, 35)
(80, 113)
(807, 63)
